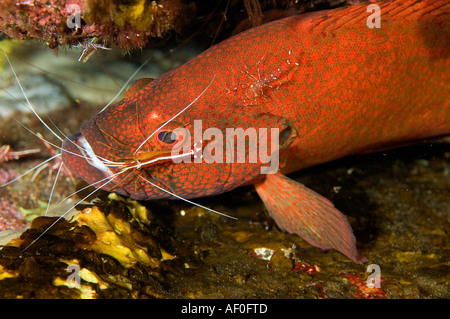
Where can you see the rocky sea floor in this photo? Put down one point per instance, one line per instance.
(398, 203)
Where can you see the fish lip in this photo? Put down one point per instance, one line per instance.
(98, 174)
(89, 155)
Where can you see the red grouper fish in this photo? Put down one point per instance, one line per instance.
(273, 100)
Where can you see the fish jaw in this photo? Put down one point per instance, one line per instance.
(79, 157)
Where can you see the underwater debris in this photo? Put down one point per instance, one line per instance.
(262, 253)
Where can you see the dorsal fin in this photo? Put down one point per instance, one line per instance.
(136, 86)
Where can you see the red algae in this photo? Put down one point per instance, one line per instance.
(309, 269)
(364, 291)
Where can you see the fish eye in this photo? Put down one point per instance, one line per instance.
(171, 138)
(167, 137)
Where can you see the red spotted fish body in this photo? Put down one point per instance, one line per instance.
(330, 85)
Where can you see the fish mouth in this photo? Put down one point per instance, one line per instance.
(89, 155)
(79, 156)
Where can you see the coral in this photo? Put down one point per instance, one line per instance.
(10, 216)
(132, 24)
(127, 24)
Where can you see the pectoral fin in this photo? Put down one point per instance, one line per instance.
(299, 210)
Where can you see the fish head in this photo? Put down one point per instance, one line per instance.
(161, 147)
